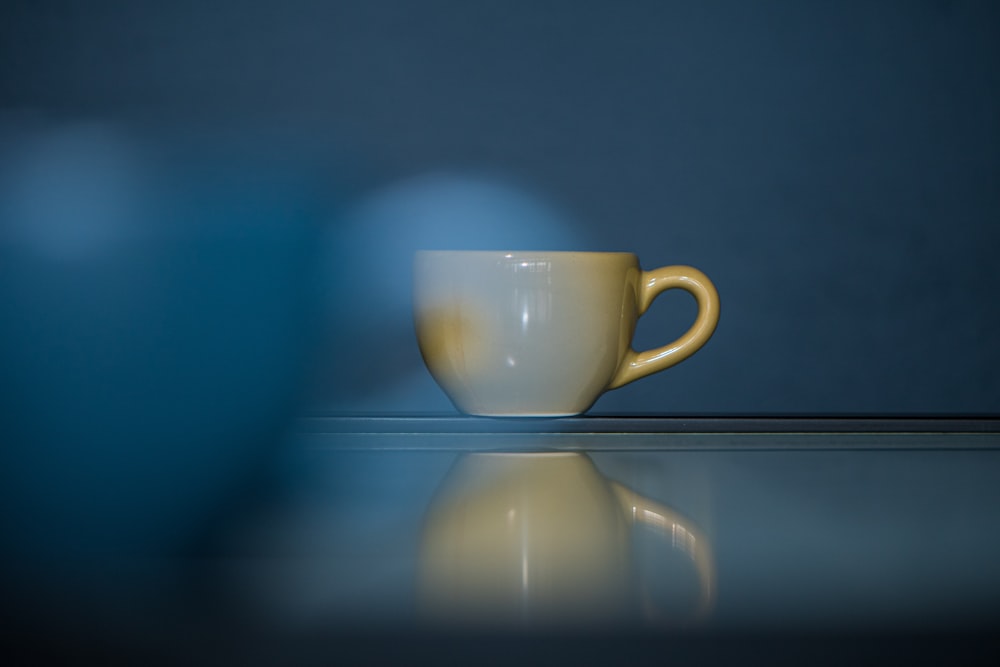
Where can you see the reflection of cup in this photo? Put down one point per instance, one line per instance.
(544, 333)
(542, 539)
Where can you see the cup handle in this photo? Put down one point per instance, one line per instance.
(639, 364)
(683, 535)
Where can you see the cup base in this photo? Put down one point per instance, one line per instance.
(525, 415)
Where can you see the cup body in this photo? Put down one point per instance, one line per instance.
(524, 333)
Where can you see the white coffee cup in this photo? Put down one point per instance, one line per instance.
(544, 333)
(542, 539)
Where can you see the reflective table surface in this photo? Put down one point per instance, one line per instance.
(881, 526)
(832, 540)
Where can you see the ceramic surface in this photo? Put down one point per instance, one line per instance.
(544, 333)
(542, 539)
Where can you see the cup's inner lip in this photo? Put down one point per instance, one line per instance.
(514, 254)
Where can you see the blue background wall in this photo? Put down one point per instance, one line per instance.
(207, 214)
(835, 167)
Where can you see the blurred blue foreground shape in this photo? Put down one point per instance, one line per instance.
(159, 303)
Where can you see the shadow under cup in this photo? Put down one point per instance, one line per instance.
(543, 333)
